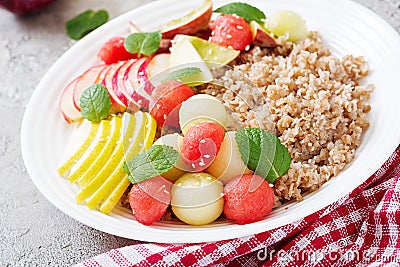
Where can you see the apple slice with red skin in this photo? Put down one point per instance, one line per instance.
(102, 74)
(143, 77)
(157, 67)
(191, 23)
(165, 44)
(116, 103)
(204, 34)
(107, 80)
(133, 86)
(87, 79)
(66, 103)
(118, 82)
(137, 78)
(147, 73)
(114, 107)
(261, 37)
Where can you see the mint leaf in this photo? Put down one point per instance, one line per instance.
(243, 10)
(125, 168)
(263, 153)
(152, 162)
(182, 73)
(145, 43)
(95, 103)
(85, 22)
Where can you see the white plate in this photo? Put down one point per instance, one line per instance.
(347, 27)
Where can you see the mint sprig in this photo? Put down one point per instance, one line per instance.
(182, 73)
(85, 22)
(152, 162)
(263, 153)
(146, 43)
(95, 103)
(243, 10)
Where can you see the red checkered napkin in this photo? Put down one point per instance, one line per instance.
(360, 229)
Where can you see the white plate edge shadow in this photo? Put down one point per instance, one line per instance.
(113, 224)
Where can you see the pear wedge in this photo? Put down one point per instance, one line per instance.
(115, 156)
(109, 204)
(213, 54)
(92, 153)
(132, 144)
(184, 55)
(101, 160)
(150, 131)
(82, 137)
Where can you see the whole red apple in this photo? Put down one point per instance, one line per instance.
(22, 7)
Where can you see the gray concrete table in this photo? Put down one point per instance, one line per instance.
(32, 231)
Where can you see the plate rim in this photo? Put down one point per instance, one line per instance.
(193, 236)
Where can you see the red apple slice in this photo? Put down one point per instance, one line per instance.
(156, 70)
(86, 80)
(260, 36)
(107, 80)
(158, 65)
(66, 103)
(152, 72)
(165, 45)
(133, 86)
(204, 34)
(102, 74)
(148, 69)
(143, 77)
(193, 22)
(118, 82)
(117, 104)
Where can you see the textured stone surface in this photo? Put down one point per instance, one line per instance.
(33, 232)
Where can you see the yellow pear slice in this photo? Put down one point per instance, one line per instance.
(101, 160)
(131, 144)
(129, 123)
(92, 153)
(109, 204)
(82, 136)
(184, 55)
(115, 196)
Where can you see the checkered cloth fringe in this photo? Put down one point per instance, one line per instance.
(360, 229)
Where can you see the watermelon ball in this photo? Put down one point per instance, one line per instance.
(201, 144)
(248, 198)
(231, 31)
(150, 199)
(166, 100)
(114, 50)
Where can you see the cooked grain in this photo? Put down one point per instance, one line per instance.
(313, 101)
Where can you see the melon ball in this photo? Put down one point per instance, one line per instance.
(200, 108)
(228, 163)
(287, 22)
(197, 198)
(174, 141)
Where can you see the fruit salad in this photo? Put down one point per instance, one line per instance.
(142, 130)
